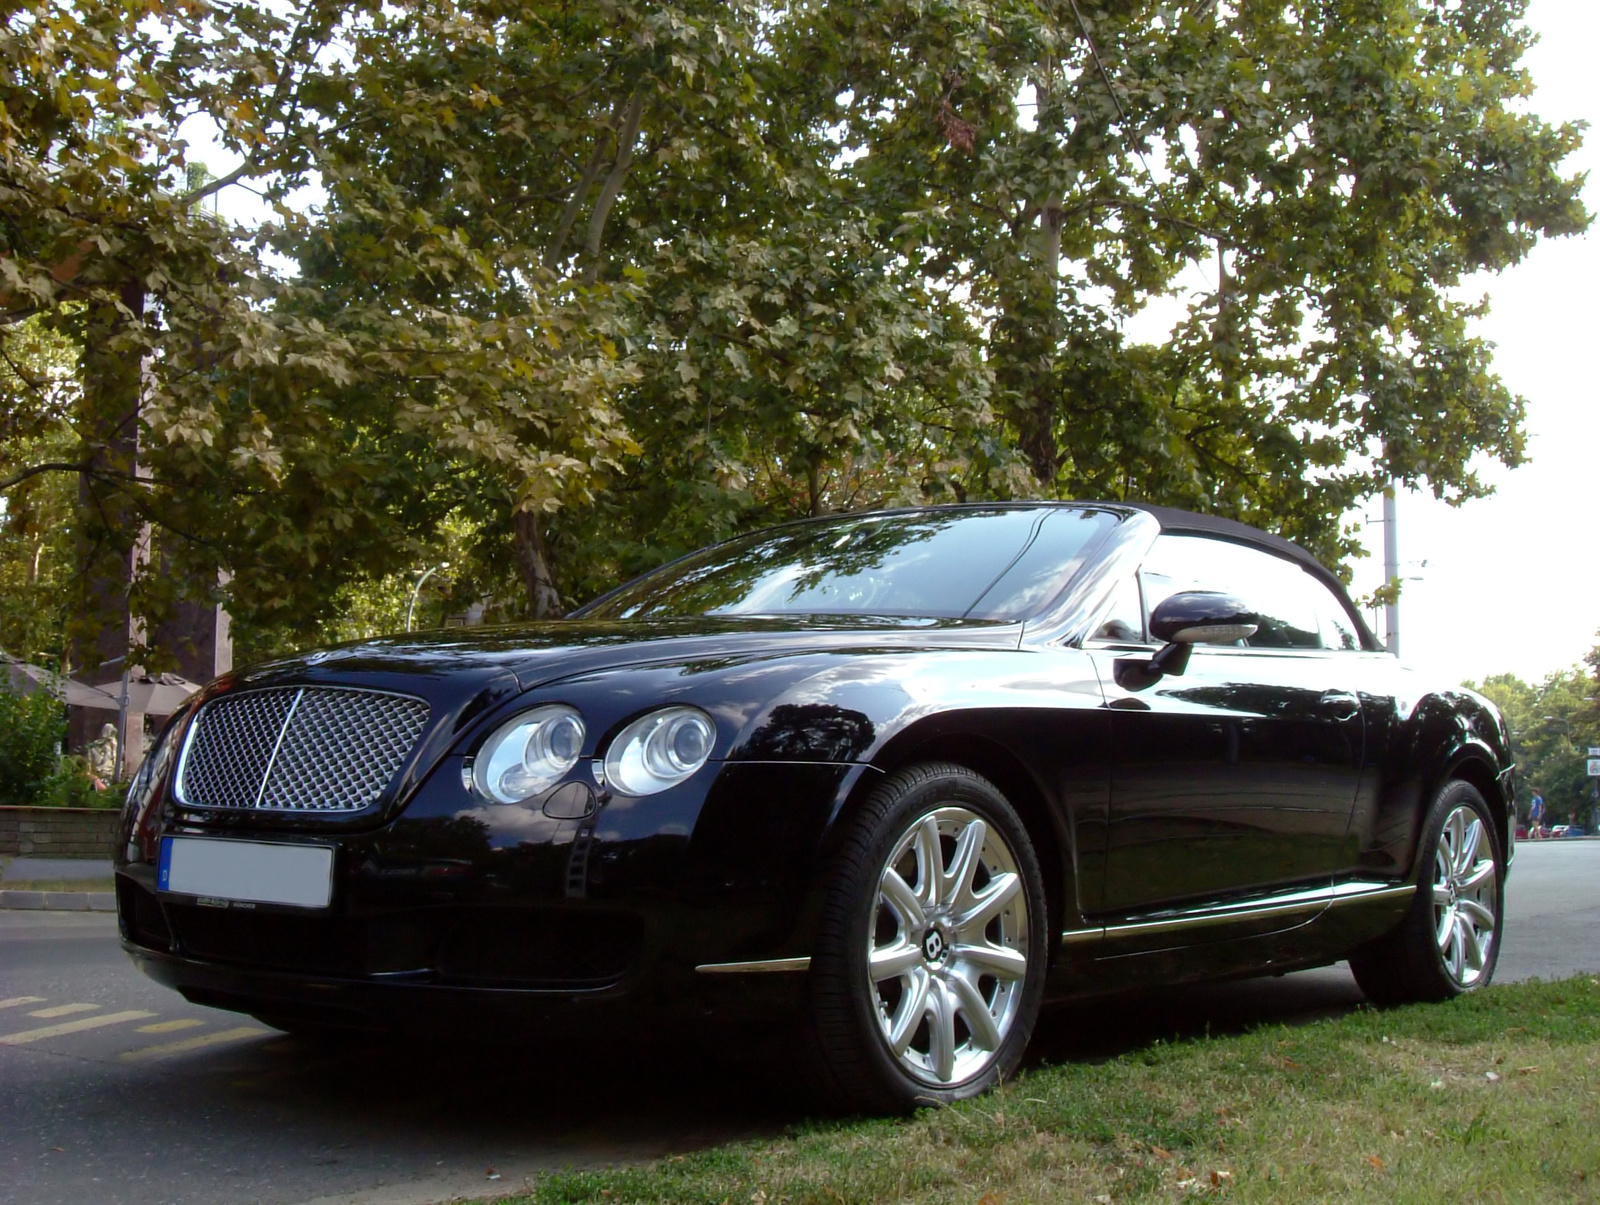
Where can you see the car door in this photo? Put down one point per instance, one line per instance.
(1238, 775)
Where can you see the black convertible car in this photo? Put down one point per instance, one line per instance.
(910, 772)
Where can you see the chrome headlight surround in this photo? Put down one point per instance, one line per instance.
(151, 771)
(528, 753)
(660, 750)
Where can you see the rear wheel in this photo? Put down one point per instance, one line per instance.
(1449, 941)
(930, 958)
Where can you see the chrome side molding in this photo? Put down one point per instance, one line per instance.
(764, 967)
(1289, 903)
(1364, 893)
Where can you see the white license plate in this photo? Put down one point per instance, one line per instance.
(248, 871)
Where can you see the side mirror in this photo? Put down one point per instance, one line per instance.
(1182, 621)
(1202, 617)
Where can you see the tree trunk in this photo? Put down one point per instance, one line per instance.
(533, 562)
(1036, 430)
(109, 527)
(1223, 333)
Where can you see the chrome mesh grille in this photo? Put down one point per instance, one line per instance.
(299, 749)
(230, 746)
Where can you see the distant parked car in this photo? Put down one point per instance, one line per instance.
(1522, 832)
(1574, 831)
(1559, 830)
(914, 771)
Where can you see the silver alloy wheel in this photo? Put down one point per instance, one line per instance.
(948, 952)
(1465, 890)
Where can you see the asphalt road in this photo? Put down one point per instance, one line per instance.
(113, 1089)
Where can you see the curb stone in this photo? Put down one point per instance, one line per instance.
(60, 901)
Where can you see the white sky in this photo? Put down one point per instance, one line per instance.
(1512, 582)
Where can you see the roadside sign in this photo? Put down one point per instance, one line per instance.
(1594, 767)
(1594, 751)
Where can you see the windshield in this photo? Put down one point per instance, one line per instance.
(1003, 563)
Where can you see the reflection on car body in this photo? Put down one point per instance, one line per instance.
(909, 773)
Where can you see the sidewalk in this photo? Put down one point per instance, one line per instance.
(46, 883)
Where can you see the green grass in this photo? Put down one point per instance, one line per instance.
(1494, 1097)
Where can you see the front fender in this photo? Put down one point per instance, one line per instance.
(1030, 720)
(803, 739)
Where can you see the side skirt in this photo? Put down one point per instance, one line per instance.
(765, 966)
(1245, 918)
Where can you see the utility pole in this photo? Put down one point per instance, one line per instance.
(1391, 570)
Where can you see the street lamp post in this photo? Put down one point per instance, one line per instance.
(1391, 568)
(411, 606)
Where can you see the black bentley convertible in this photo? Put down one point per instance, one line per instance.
(911, 772)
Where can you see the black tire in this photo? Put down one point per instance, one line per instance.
(1410, 963)
(980, 944)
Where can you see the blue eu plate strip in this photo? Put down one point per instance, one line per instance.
(166, 863)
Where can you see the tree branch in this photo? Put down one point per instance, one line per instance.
(54, 466)
(626, 137)
(246, 168)
(34, 386)
(569, 215)
(279, 94)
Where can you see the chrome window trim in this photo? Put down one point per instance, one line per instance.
(1128, 646)
(1066, 620)
(1233, 650)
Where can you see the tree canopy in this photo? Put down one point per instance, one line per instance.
(1554, 724)
(556, 291)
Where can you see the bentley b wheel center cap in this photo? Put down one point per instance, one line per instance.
(935, 946)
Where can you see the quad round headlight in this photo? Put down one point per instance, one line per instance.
(660, 750)
(528, 753)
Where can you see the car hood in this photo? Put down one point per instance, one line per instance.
(465, 674)
(533, 654)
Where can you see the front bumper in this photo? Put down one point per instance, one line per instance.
(455, 913)
(395, 1003)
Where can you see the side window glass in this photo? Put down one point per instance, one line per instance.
(1124, 622)
(1273, 587)
(1338, 629)
(1286, 610)
(1175, 564)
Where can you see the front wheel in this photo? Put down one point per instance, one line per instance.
(931, 952)
(1449, 941)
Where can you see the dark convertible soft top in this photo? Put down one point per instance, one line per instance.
(1172, 519)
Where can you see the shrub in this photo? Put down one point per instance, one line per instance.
(72, 786)
(32, 728)
(32, 771)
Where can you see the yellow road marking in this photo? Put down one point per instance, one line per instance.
(66, 1027)
(169, 1026)
(199, 1043)
(65, 1010)
(16, 1000)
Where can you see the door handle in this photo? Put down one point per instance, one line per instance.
(1341, 704)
